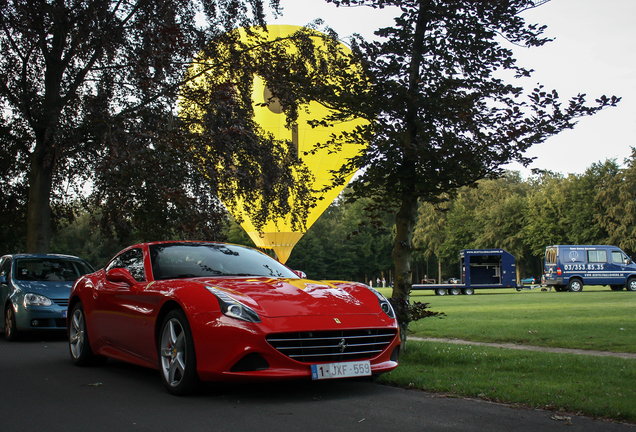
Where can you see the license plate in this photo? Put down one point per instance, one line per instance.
(341, 370)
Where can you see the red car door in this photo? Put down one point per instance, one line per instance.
(116, 312)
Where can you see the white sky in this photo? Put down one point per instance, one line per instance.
(594, 52)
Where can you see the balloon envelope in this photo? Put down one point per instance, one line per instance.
(279, 234)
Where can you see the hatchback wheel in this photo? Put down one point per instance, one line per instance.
(10, 326)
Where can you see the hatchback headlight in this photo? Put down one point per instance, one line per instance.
(32, 299)
(384, 303)
(234, 308)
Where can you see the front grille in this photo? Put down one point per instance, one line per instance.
(61, 302)
(332, 346)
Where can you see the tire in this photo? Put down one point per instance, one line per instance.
(631, 284)
(575, 285)
(441, 291)
(78, 343)
(468, 291)
(617, 287)
(177, 359)
(10, 327)
(455, 291)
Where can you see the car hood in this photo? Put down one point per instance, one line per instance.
(50, 289)
(293, 297)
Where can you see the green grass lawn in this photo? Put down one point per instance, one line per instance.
(596, 318)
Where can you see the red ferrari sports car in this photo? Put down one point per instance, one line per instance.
(220, 312)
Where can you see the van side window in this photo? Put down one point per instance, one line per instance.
(618, 257)
(597, 256)
(551, 256)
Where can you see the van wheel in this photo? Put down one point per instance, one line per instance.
(441, 291)
(575, 285)
(631, 284)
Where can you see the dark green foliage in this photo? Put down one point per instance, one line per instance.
(413, 311)
(441, 116)
(88, 91)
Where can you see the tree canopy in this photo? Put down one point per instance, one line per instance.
(442, 113)
(88, 92)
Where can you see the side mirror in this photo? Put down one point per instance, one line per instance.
(300, 274)
(120, 275)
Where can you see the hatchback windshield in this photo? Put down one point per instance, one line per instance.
(50, 269)
(179, 260)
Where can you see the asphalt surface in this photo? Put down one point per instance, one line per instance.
(43, 391)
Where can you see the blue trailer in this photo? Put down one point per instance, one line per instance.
(481, 269)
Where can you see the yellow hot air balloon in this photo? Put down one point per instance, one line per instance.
(279, 234)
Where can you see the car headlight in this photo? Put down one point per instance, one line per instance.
(384, 303)
(234, 308)
(31, 299)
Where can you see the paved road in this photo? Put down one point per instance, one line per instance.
(42, 391)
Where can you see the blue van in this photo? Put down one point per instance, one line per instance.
(571, 267)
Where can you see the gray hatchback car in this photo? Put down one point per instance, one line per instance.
(34, 291)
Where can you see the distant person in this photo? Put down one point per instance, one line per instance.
(383, 283)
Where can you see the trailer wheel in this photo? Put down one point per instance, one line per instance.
(575, 285)
(631, 284)
(468, 291)
(455, 291)
(441, 291)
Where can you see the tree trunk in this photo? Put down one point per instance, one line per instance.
(402, 251)
(407, 215)
(39, 207)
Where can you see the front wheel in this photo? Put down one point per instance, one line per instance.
(575, 285)
(631, 284)
(78, 343)
(177, 359)
(10, 326)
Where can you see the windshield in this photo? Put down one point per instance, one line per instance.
(179, 260)
(50, 269)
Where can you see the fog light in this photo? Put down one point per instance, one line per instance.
(35, 323)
